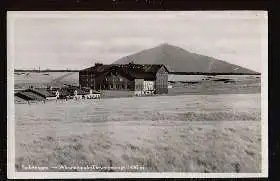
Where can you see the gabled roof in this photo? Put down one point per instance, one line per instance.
(131, 71)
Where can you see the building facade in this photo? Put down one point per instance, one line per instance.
(161, 84)
(131, 77)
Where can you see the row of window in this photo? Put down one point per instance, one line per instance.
(111, 86)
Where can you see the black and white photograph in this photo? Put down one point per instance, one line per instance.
(111, 94)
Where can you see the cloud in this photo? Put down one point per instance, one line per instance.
(66, 38)
(91, 43)
(128, 44)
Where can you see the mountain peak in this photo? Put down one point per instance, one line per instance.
(180, 60)
(169, 47)
(165, 45)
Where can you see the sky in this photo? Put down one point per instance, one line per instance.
(76, 40)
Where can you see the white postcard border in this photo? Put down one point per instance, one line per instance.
(12, 174)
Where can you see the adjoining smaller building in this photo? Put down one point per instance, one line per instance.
(29, 95)
(144, 87)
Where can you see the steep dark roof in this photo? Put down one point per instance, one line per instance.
(42, 92)
(131, 71)
(28, 95)
(19, 99)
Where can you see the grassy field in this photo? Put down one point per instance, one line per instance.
(187, 133)
(43, 79)
(173, 77)
(219, 84)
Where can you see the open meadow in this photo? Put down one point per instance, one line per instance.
(184, 133)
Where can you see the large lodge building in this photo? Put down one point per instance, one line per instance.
(131, 77)
(136, 78)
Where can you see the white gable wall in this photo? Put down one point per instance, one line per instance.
(148, 85)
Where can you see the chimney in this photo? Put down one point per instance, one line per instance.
(98, 64)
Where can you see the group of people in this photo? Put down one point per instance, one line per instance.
(75, 97)
(78, 97)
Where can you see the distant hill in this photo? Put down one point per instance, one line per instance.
(180, 61)
(47, 70)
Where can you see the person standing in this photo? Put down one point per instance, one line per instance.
(57, 95)
(76, 94)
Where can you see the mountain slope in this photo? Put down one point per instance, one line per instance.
(177, 59)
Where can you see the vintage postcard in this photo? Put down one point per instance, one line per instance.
(160, 94)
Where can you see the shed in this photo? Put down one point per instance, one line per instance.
(44, 93)
(29, 96)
